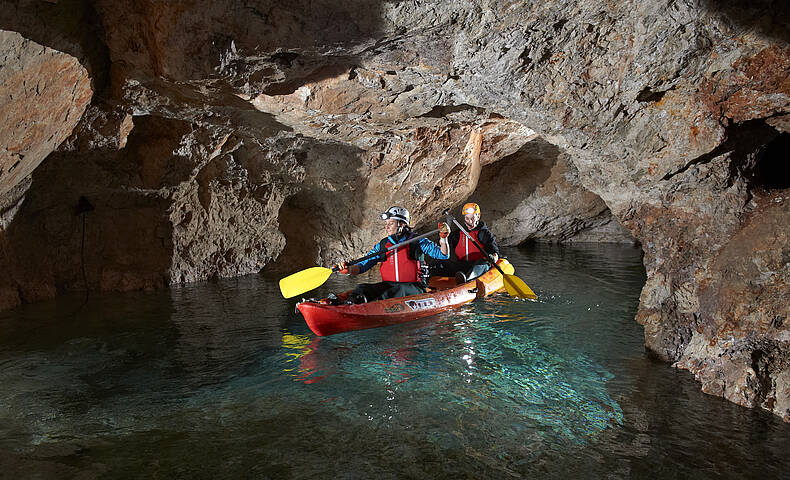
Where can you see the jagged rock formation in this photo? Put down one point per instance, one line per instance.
(211, 138)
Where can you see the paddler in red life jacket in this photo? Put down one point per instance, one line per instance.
(468, 261)
(400, 268)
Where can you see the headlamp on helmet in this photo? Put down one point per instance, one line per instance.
(470, 209)
(396, 213)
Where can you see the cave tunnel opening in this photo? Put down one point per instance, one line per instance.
(505, 183)
(536, 194)
(773, 164)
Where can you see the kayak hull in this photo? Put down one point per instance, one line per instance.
(444, 294)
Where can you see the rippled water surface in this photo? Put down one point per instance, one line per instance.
(224, 380)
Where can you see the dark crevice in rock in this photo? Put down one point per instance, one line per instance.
(525, 59)
(761, 367)
(546, 56)
(648, 95)
(284, 59)
(441, 111)
(773, 168)
(617, 112)
(743, 141)
(752, 15)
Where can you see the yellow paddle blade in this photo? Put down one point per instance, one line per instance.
(517, 288)
(507, 267)
(304, 281)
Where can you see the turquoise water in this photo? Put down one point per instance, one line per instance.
(224, 380)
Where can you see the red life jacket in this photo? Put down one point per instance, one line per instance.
(466, 250)
(399, 265)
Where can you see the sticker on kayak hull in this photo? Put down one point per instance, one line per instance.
(398, 307)
(422, 304)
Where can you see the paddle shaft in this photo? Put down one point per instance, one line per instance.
(479, 247)
(378, 254)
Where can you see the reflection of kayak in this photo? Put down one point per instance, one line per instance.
(443, 294)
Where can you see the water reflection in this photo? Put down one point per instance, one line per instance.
(303, 350)
(460, 364)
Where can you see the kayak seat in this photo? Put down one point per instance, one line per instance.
(356, 299)
(333, 299)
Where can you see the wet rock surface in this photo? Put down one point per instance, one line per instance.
(174, 142)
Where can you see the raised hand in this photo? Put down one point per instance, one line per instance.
(444, 230)
(341, 268)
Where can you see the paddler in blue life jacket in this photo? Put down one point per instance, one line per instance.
(400, 268)
(469, 262)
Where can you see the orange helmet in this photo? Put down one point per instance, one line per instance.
(470, 208)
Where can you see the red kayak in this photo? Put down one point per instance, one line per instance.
(443, 294)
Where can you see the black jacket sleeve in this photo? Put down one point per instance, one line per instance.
(488, 241)
(453, 239)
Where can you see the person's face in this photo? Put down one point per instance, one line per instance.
(391, 226)
(471, 219)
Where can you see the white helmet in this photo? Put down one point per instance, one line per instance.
(398, 213)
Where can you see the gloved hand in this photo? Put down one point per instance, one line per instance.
(341, 268)
(444, 230)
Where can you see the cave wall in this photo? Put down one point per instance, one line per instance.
(216, 138)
